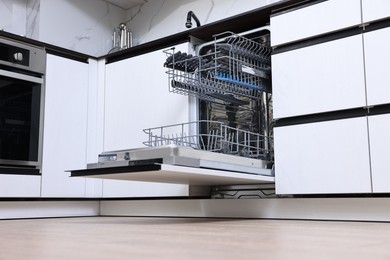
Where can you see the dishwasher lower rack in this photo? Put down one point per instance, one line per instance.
(232, 65)
(219, 138)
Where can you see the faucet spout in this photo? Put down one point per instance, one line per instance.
(190, 15)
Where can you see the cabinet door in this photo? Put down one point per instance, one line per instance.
(319, 78)
(316, 19)
(377, 58)
(65, 127)
(380, 150)
(375, 9)
(323, 158)
(136, 98)
(20, 186)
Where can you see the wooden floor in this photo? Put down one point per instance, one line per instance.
(188, 238)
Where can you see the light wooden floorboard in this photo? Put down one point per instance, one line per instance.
(191, 238)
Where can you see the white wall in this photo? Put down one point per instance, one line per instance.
(156, 19)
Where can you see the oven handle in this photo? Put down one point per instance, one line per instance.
(20, 76)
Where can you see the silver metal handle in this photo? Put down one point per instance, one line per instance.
(15, 75)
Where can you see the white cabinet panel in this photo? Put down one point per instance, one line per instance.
(379, 127)
(20, 186)
(324, 17)
(323, 158)
(377, 58)
(65, 127)
(136, 98)
(375, 9)
(319, 78)
(115, 188)
(96, 70)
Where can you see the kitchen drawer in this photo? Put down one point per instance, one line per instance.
(379, 127)
(323, 158)
(20, 186)
(377, 58)
(375, 9)
(316, 19)
(320, 78)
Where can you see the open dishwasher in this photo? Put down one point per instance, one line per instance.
(231, 79)
(231, 142)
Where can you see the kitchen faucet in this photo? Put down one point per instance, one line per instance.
(188, 23)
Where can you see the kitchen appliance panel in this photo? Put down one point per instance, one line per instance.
(167, 173)
(21, 107)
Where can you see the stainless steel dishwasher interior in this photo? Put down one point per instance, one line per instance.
(231, 78)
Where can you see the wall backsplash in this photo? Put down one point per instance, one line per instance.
(32, 18)
(86, 26)
(83, 26)
(13, 16)
(156, 19)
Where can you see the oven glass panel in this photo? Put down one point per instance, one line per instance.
(19, 119)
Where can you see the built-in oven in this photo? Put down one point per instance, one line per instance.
(22, 70)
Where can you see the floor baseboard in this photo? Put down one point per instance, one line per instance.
(46, 209)
(346, 209)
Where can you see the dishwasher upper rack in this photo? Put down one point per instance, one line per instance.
(219, 138)
(234, 65)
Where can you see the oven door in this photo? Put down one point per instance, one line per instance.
(21, 115)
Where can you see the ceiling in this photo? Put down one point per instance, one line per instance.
(126, 4)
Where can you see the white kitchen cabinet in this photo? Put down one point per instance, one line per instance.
(137, 97)
(316, 19)
(379, 127)
(12, 185)
(323, 158)
(377, 58)
(319, 78)
(375, 9)
(65, 127)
